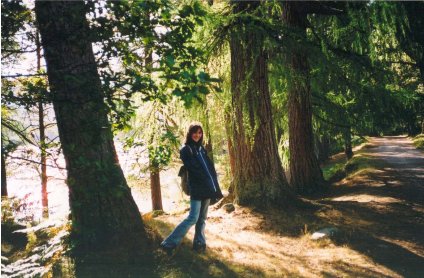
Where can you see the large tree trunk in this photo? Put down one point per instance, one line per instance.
(258, 175)
(43, 154)
(231, 154)
(3, 176)
(102, 208)
(155, 188)
(305, 173)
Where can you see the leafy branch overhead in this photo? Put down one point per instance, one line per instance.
(148, 48)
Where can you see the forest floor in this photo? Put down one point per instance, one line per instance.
(378, 211)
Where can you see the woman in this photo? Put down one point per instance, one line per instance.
(204, 190)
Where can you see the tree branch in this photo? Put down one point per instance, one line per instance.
(322, 8)
(15, 51)
(330, 122)
(23, 75)
(36, 162)
(18, 132)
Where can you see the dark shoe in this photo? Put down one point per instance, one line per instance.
(169, 250)
(200, 248)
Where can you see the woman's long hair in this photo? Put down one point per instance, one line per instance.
(194, 127)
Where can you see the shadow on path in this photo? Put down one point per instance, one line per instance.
(381, 212)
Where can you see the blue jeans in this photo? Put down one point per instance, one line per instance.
(197, 215)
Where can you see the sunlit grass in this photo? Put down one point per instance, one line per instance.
(363, 160)
(335, 169)
(419, 141)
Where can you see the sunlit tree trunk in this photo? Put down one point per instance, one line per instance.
(154, 171)
(102, 208)
(155, 188)
(305, 173)
(258, 175)
(3, 176)
(43, 161)
(43, 154)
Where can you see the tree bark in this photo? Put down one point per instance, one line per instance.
(231, 154)
(347, 136)
(3, 176)
(258, 175)
(230, 142)
(305, 173)
(43, 154)
(102, 208)
(155, 188)
(43, 161)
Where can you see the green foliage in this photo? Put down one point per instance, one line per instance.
(334, 171)
(25, 92)
(160, 150)
(356, 84)
(151, 130)
(14, 16)
(12, 134)
(153, 41)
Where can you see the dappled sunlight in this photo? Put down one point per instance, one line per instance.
(239, 239)
(384, 205)
(362, 177)
(366, 198)
(362, 203)
(246, 243)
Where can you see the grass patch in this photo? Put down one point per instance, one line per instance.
(360, 162)
(419, 141)
(334, 171)
(341, 168)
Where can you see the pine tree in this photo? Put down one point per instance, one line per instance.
(102, 207)
(258, 175)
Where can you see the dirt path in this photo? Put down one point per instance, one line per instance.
(384, 207)
(379, 214)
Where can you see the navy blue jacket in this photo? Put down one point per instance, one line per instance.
(202, 177)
